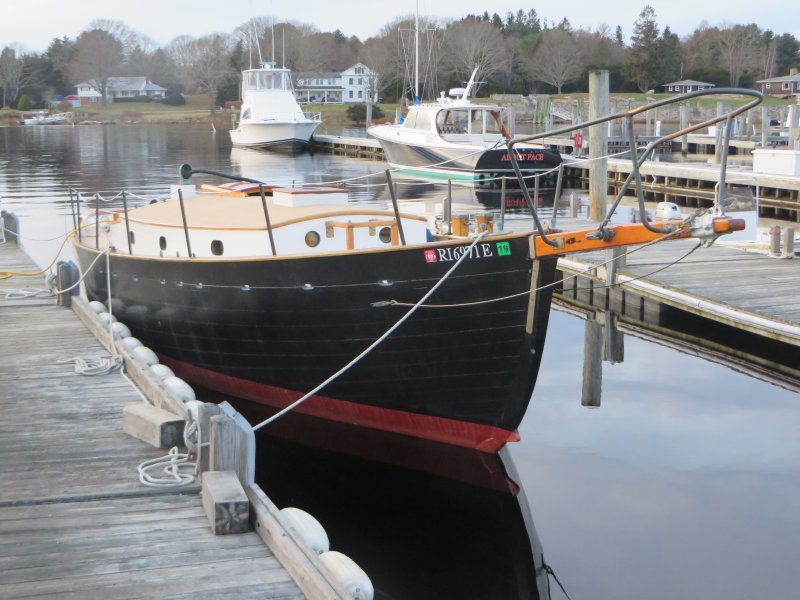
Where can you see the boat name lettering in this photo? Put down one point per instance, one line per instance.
(525, 156)
(453, 254)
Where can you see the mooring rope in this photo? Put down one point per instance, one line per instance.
(377, 342)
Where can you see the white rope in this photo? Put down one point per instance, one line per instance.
(94, 365)
(374, 344)
(169, 470)
(25, 293)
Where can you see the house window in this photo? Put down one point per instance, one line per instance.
(767, 86)
(351, 81)
(359, 81)
(359, 70)
(351, 93)
(787, 85)
(360, 94)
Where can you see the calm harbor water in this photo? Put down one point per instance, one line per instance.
(684, 484)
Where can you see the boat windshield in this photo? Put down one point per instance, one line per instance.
(418, 119)
(469, 120)
(264, 80)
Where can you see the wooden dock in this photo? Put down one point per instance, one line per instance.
(688, 184)
(74, 520)
(692, 184)
(747, 291)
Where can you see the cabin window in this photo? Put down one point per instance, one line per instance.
(131, 238)
(312, 239)
(217, 248)
(162, 243)
(411, 120)
(385, 235)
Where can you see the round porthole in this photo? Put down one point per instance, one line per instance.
(217, 248)
(312, 239)
(385, 235)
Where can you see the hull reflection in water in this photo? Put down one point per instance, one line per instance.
(424, 520)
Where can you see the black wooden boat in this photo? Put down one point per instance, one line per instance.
(268, 328)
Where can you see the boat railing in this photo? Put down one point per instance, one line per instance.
(639, 156)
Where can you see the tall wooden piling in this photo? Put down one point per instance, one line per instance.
(684, 124)
(592, 364)
(598, 144)
(720, 134)
(794, 118)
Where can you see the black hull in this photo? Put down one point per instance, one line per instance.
(269, 330)
(482, 167)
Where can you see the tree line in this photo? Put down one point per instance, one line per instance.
(519, 53)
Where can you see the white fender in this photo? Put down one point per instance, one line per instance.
(349, 574)
(161, 372)
(131, 343)
(182, 390)
(97, 306)
(107, 317)
(307, 527)
(144, 354)
(120, 330)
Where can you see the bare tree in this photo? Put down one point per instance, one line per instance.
(473, 43)
(180, 52)
(119, 31)
(739, 47)
(13, 73)
(556, 60)
(98, 56)
(207, 64)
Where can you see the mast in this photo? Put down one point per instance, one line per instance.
(416, 56)
(273, 42)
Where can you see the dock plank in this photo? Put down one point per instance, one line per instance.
(75, 522)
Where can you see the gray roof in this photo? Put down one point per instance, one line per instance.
(319, 75)
(686, 82)
(795, 77)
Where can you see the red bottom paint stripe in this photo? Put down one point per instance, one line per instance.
(449, 431)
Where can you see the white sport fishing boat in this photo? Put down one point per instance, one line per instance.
(458, 139)
(271, 118)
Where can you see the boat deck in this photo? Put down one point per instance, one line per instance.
(74, 519)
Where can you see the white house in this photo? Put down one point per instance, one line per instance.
(119, 87)
(351, 86)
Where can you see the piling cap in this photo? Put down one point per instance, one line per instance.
(185, 172)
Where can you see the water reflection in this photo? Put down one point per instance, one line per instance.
(423, 520)
(685, 484)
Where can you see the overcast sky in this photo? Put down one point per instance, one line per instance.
(34, 24)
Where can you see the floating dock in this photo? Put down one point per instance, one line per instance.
(74, 519)
(753, 294)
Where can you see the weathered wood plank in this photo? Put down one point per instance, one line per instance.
(75, 522)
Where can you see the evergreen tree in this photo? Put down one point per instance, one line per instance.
(787, 53)
(642, 64)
